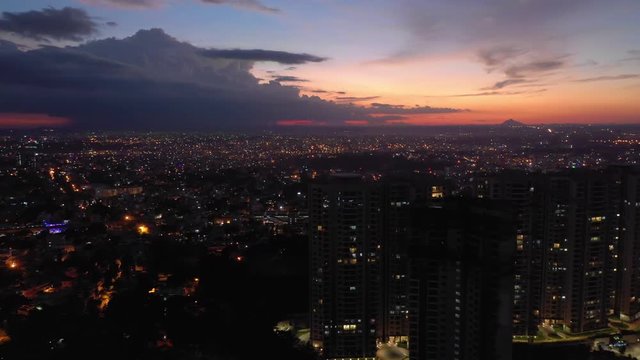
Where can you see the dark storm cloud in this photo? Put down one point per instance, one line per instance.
(51, 68)
(380, 108)
(610, 78)
(8, 46)
(288, 78)
(113, 84)
(281, 57)
(49, 24)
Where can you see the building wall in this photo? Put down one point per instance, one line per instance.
(359, 233)
(461, 283)
(582, 250)
(346, 268)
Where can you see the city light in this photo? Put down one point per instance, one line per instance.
(327, 180)
(143, 229)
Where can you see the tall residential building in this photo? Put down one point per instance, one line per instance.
(461, 282)
(27, 155)
(519, 190)
(346, 233)
(359, 236)
(401, 196)
(576, 254)
(628, 295)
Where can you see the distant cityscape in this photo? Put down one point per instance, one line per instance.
(319, 180)
(484, 242)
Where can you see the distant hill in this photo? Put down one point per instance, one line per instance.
(513, 123)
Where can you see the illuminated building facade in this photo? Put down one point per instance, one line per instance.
(576, 253)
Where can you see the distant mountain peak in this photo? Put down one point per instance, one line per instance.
(512, 123)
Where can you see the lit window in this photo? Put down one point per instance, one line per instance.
(437, 192)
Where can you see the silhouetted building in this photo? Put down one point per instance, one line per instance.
(628, 267)
(359, 233)
(401, 196)
(461, 282)
(518, 189)
(28, 154)
(346, 232)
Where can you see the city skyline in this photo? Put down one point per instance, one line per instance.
(205, 65)
(504, 242)
(320, 179)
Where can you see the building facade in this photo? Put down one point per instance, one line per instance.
(576, 246)
(461, 282)
(345, 217)
(359, 237)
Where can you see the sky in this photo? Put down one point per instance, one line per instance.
(206, 64)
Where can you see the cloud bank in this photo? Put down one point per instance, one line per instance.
(151, 81)
(49, 24)
(281, 57)
(253, 5)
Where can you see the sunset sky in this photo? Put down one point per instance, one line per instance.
(352, 62)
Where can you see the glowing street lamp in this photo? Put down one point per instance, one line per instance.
(12, 264)
(143, 229)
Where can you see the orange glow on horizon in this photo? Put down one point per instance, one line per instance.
(356, 122)
(17, 120)
(297, 123)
